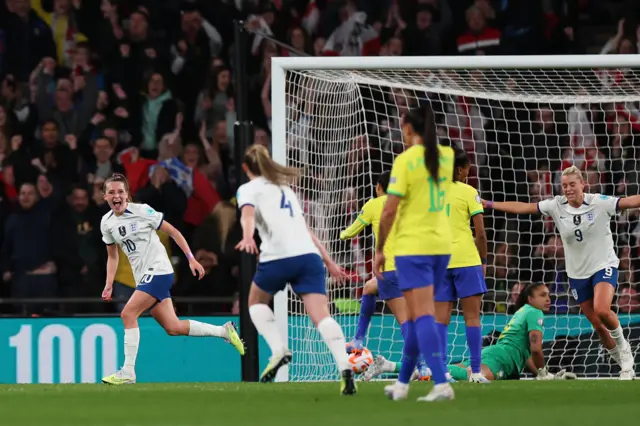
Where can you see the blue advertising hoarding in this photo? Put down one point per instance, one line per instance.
(83, 350)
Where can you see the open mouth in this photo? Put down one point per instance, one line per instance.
(117, 204)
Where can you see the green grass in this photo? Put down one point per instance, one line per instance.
(522, 403)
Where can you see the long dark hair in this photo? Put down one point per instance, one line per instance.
(383, 180)
(527, 291)
(461, 161)
(423, 121)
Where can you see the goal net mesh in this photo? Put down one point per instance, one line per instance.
(519, 128)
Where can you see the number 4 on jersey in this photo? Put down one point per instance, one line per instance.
(284, 204)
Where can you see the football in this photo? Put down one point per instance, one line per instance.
(360, 360)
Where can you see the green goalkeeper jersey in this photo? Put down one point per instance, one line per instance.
(514, 339)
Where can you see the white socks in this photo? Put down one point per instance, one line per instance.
(334, 338)
(618, 337)
(265, 322)
(201, 329)
(131, 343)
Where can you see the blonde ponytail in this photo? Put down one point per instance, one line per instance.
(260, 163)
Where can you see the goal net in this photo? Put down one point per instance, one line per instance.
(338, 119)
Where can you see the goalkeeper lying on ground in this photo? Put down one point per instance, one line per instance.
(519, 344)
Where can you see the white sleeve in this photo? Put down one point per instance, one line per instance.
(607, 203)
(246, 196)
(106, 235)
(150, 216)
(545, 207)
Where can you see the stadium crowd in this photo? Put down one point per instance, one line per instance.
(145, 88)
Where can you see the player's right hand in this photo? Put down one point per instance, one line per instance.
(378, 263)
(196, 268)
(336, 272)
(247, 245)
(106, 293)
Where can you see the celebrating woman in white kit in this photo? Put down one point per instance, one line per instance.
(133, 227)
(583, 221)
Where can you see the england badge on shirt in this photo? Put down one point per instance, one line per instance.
(134, 227)
(591, 217)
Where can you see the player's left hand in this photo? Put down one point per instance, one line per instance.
(565, 375)
(336, 272)
(248, 245)
(543, 374)
(196, 269)
(378, 263)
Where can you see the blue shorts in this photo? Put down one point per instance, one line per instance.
(305, 273)
(388, 286)
(582, 288)
(421, 271)
(460, 283)
(158, 286)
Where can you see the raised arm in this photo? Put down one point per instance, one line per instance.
(512, 207)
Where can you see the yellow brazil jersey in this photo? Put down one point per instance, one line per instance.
(124, 274)
(463, 203)
(370, 215)
(422, 225)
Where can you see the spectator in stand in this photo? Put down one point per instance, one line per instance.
(64, 26)
(71, 115)
(157, 115)
(28, 40)
(479, 39)
(27, 258)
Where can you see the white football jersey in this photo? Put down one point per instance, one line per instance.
(135, 232)
(585, 232)
(279, 219)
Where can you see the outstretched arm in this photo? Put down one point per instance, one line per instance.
(353, 230)
(632, 202)
(512, 207)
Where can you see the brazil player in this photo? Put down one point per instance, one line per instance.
(289, 254)
(132, 227)
(464, 279)
(519, 344)
(415, 206)
(387, 288)
(583, 221)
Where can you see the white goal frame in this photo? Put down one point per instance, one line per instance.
(280, 66)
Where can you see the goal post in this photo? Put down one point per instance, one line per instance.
(520, 118)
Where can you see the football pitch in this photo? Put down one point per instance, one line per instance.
(519, 403)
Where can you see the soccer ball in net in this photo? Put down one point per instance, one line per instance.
(360, 360)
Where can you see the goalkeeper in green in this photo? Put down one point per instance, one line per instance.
(519, 344)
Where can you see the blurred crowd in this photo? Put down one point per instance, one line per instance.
(146, 88)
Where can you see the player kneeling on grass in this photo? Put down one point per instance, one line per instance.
(133, 228)
(519, 344)
(289, 254)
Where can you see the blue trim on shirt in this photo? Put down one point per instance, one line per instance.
(584, 203)
(110, 215)
(161, 220)
(538, 207)
(246, 204)
(617, 205)
(128, 211)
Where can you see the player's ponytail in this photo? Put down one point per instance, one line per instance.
(461, 162)
(259, 163)
(118, 177)
(423, 121)
(527, 291)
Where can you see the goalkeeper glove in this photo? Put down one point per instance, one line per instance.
(565, 375)
(543, 374)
